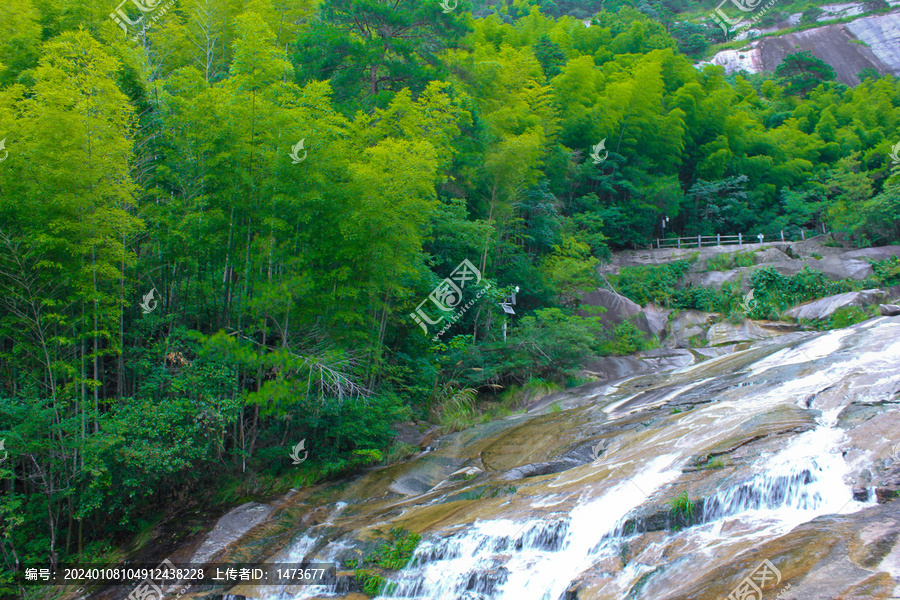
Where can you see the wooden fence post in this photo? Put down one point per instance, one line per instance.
(740, 240)
(782, 237)
(718, 239)
(698, 241)
(802, 234)
(679, 243)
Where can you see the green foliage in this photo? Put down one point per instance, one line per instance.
(372, 582)
(626, 338)
(801, 72)
(651, 283)
(392, 554)
(284, 290)
(549, 345)
(845, 317)
(682, 505)
(811, 14)
(397, 551)
(775, 292)
(725, 262)
(456, 408)
(887, 271)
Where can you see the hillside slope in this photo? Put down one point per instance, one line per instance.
(868, 42)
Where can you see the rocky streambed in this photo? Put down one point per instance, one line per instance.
(776, 462)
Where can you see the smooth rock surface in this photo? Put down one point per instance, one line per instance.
(688, 324)
(889, 310)
(727, 333)
(825, 307)
(657, 319)
(835, 44)
(230, 528)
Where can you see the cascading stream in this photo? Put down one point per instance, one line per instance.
(608, 520)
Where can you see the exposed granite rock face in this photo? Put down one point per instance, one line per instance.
(889, 310)
(618, 308)
(611, 368)
(835, 44)
(230, 528)
(688, 324)
(825, 307)
(728, 333)
(657, 318)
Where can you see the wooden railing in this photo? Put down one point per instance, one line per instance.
(740, 239)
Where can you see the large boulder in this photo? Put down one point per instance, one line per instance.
(688, 324)
(815, 247)
(841, 267)
(825, 307)
(771, 255)
(714, 279)
(657, 319)
(746, 331)
(618, 309)
(880, 253)
(889, 310)
(658, 360)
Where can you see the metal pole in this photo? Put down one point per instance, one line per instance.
(504, 328)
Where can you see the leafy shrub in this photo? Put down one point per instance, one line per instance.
(887, 272)
(393, 554)
(626, 338)
(683, 505)
(396, 552)
(652, 283)
(845, 317)
(777, 292)
(699, 298)
(550, 345)
(533, 389)
(811, 14)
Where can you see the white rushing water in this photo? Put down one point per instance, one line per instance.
(537, 559)
(548, 541)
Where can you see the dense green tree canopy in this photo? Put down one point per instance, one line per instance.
(227, 231)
